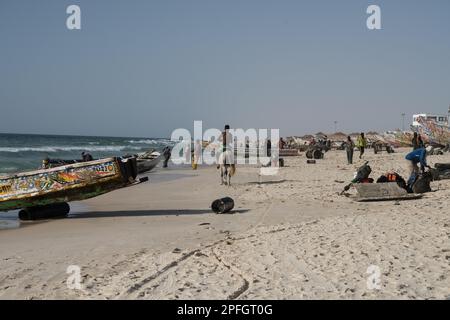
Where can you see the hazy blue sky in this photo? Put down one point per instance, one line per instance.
(143, 68)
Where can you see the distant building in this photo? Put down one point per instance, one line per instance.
(439, 119)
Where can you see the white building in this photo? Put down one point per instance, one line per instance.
(439, 119)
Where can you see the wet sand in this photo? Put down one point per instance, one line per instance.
(290, 236)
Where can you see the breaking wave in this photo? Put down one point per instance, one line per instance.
(92, 148)
(144, 141)
(152, 142)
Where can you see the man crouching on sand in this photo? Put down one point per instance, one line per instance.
(415, 157)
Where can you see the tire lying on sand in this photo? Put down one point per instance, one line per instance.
(56, 210)
(317, 154)
(223, 205)
(309, 154)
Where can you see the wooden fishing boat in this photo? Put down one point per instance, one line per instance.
(45, 192)
(383, 192)
(432, 132)
(147, 161)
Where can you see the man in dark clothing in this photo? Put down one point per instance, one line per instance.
(226, 138)
(421, 143)
(269, 147)
(167, 154)
(349, 147)
(86, 157)
(415, 141)
(282, 144)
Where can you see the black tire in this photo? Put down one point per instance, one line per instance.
(51, 211)
(24, 215)
(317, 154)
(309, 154)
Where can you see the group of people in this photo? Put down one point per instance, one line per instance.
(418, 156)
(361, 144)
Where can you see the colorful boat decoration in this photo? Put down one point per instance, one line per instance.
(432, 132)
(78, 181)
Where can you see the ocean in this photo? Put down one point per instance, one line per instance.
(21, 152)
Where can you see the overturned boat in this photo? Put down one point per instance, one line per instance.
(44, 193)
(147, 161)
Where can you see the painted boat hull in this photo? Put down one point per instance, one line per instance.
(435, 134)
(66, 183)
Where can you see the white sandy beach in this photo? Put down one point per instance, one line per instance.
(290, 236)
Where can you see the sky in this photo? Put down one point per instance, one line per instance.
(145, 68)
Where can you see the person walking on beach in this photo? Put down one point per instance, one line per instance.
(197, 154)
(361, 144)
(167, 154)
(349, 147)
(281, 144)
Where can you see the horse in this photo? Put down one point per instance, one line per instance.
(226, 166)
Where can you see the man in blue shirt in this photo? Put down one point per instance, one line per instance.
(415, 157)
(418, 156)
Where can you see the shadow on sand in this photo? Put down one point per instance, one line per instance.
(268, 182)
(144, 213)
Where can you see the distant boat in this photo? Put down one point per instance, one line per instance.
(435, 133)
(45, 192)
(147, 161)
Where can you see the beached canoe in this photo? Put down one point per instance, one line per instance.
(59, 185)
(147, 161)
(383, 192)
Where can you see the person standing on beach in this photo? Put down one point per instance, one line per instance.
(421, 143)
(197, 154)
(269, 147)
(167, 154)
(281, 144)
(415, 141)
(187, 152)
(361, 144)
(349, 147)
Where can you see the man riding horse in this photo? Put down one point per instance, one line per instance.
(226, 157)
